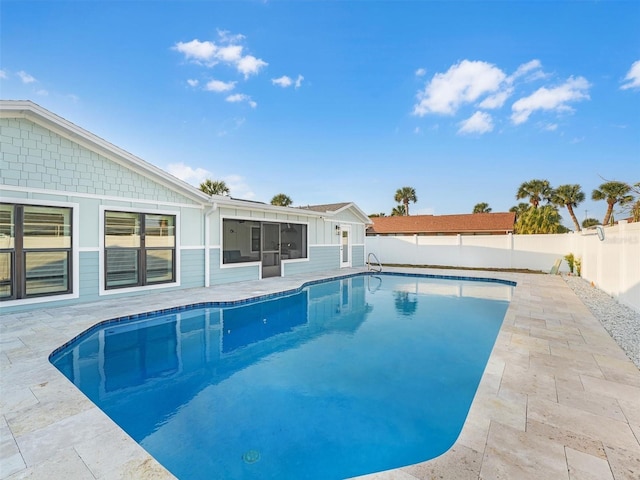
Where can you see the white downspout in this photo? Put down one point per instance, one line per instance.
(207, 240)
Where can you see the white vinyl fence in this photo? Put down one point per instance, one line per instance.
(612, 264)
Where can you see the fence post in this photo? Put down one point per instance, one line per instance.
(624, 255)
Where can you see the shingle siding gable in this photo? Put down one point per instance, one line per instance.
(32, 156)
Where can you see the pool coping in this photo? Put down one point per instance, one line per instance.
(558, 396)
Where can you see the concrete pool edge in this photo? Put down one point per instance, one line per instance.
(50, 429)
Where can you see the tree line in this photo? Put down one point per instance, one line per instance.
(534, 217)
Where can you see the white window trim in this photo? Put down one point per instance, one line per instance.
(102, 291)
(75, 251)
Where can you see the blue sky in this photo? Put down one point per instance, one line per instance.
(345, 101)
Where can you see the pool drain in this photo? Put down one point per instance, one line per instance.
(252, 456)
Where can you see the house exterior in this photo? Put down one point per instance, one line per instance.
(81, 219)
(464, 224)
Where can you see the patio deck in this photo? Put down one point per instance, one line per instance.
(559, 399)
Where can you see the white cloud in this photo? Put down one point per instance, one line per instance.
(479, 122)
(554, 99)
(463, 83)
(219, 86)
(633, 76)
(194, 176)
(227, 37)
(421, 72)
(227, 51)
(3, 74)
(199, 52)
(241, 97)
(497, 100)
(550, 127)
(42, 93)
(25, 77)
(237, 97)
(283, 81)
(193, 82)
(524, 69)
(230, 54)
(250, 65)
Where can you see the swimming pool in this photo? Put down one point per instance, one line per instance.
(337, 379)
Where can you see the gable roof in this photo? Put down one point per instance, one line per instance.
(334, 208)
(447, 224)
(35, 113)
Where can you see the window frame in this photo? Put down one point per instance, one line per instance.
(142, 249)
(304, 255)
(18, 255)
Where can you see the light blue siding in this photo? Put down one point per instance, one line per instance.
(232, 274)
(357, 256)
(191, 268)
(89, 275)
(320, 259)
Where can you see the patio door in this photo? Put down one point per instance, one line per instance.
(270, 250)
(345, 246)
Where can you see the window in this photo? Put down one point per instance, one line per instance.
(140, 249)
(35, 251)
(242, 240)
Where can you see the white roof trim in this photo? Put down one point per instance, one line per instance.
(363, 216)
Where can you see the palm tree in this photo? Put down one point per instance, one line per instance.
(536, 191)
(569, 196)
(612, 192)
(482, 208)
(520, 209)
(405, 195)
(214, 187)
(398, 211)
(281, 200)
(545, 219)
(590, 222)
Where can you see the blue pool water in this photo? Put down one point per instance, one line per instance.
(338, 379)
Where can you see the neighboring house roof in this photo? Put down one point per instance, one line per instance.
(480, 223)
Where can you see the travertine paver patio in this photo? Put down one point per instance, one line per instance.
(558, 400)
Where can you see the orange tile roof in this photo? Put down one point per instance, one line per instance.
(447, 224)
